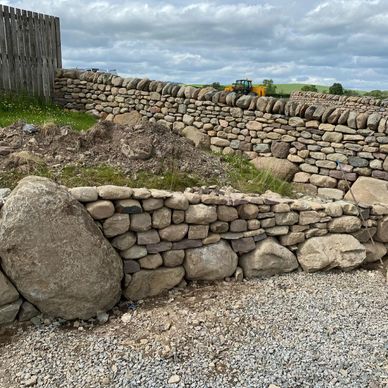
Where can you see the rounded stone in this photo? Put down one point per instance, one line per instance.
(55, 254)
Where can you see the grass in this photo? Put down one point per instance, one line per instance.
(15, 108)
(246, 178)
(242, 175)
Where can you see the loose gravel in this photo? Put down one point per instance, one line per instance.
(296, 330)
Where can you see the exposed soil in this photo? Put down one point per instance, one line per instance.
(148, 147)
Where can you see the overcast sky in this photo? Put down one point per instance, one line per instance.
(307, 41)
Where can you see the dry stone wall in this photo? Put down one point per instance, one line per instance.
(345, 103)
(313, 138)
(162, 240)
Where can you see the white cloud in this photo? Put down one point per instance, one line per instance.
(222, 40)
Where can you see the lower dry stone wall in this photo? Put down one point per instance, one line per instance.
(73, 253)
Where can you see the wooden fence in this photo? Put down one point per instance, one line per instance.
(30, 51)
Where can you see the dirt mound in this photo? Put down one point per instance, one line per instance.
(148, 147)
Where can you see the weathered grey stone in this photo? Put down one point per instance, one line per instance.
(9, 312)
(160, 247)
(374, 251)
(280, 149)
(289, 218)
(369, 190)
(129, 119)
(114, 192)
(200, 139)
(201, 214)
(210, 262)
(198, 232)
(100, 209)
(293, 238)
(8, 292)
(50, 277)
(161, 218)
(331, 251)
(148, 283)
(116, 225)
(344, 224)
(227, 213)
(268, 258)
(243, 245)
(140, 222)
(248, 211)
(149, 237)
(133, 253)
(323, 181)
(151, 204)
(177, 201)
(309, 217)
(238, 225)
(125, 241)
(152, 261)
(219, 227)
(281, 168)
(173, 258)
(373, 121)
(84, 194)
(174, 232)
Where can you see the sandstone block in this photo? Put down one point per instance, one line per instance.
(100, 209)
(331, 251)
(140, 222)
(112, 192)
(84, 194)
(201, 214)
(116, 225)
(210, 262)
(227, 213)
(174, 232)
(198, 232)
(146, 283)
(161, 218)
(124, 241)
(151, 261)
(173, 258)
(268, 258)
(344, 224)
(149, 237)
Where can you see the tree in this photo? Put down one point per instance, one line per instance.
(348, 92)
(270, 87)
(309, 88)
(217, 86)
(336, 88)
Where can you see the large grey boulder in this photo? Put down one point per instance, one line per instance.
(268, 258)
(331, 251)
(210, 262)
(8, 292)
(280, 168)
(55, 254)
(146, 283)
(369, 191)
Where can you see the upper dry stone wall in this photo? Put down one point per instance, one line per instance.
(355, 103)
(303, 140)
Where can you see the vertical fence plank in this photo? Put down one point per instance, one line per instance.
(30, 51)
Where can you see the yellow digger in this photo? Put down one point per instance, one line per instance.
(244, 86)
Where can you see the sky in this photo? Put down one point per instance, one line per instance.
(303, 41)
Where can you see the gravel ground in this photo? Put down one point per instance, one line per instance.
(296, 330)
